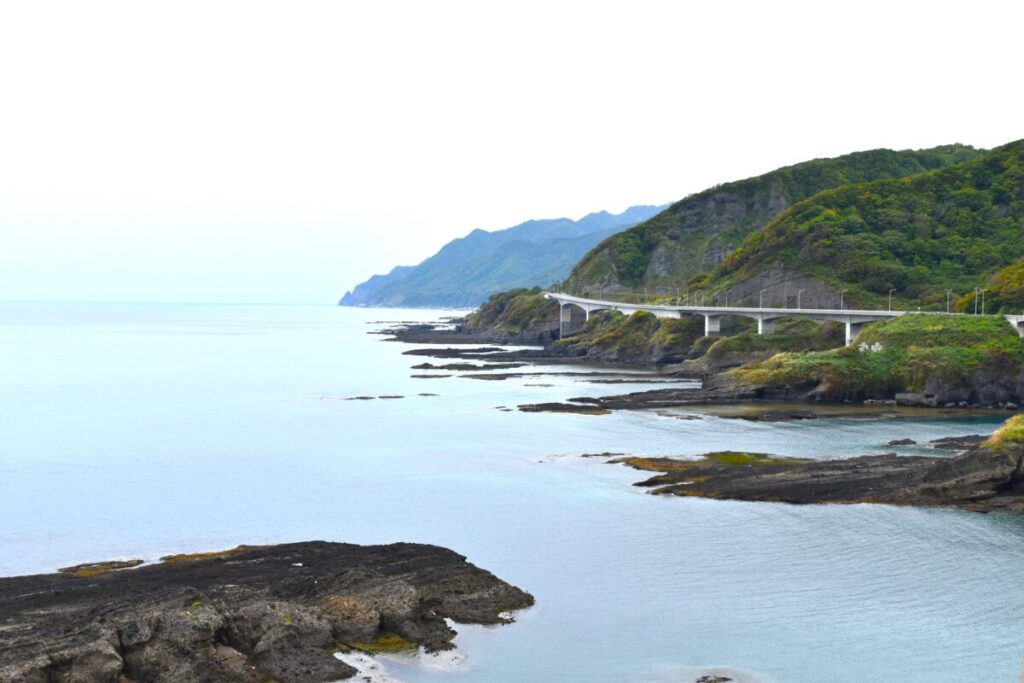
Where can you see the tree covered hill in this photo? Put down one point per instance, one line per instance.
(696, 234)
(954, 229)
(469, 269)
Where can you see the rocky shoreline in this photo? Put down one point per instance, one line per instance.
(987, 477)
(983, 476)
(248, 615)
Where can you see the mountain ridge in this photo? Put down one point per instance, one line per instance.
(468, 269)
(953, 228)
(694, 235)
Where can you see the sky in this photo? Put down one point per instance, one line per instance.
(282, 152)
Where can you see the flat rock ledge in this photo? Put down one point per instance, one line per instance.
(984, 479)
(253, 614)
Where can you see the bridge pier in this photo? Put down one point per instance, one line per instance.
(854, 320)
(852, 330)
(564, 319)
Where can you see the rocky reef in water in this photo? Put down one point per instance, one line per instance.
(248, 615)
(988, 477)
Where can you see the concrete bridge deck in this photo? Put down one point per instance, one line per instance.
(853, 319)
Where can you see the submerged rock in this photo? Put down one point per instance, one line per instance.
(246, 615)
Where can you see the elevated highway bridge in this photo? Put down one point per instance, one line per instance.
(853, 319)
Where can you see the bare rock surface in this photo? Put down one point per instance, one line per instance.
(246, 615)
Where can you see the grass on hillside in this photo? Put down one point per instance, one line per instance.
(789, 335)
(921, 235)
(612, 329)
(911, 350)
(1010, 435)
(627, 255)
(514, 311)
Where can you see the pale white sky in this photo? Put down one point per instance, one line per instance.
(284, 151)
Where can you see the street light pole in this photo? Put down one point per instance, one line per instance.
(975, 301)
(890, 299)
(983, 302)
(798, 293)
(842, 303)
(727, 297)
(760, 299)
(948, 291)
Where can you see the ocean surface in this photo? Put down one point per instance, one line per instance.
(141, 430)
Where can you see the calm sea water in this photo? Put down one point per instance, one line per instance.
(136, 431)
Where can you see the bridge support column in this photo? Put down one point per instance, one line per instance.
(564, 319)
(852, 330)
(712, 325)
(765, 326)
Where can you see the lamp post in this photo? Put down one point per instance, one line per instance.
(975, 301)
(842, 303)
(983, 301)
(798, 293)
(760, 299)
(948, 292)
(727, 297)
(890, 299)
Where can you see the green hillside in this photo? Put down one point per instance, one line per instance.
(1005, 291)
(697, 233)
(955, 358)
(952, 228)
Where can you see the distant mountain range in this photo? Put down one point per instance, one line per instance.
(468, 270)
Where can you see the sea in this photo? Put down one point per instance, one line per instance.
(135, 431)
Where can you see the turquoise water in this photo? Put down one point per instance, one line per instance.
(136, 431)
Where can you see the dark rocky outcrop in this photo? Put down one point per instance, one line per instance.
(987, 478)
(248, 615)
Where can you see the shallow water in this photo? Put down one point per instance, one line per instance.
(136, 431)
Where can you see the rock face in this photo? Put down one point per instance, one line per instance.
(251, 615)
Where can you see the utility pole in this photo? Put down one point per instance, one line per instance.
(890, 299)
(798, 293)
